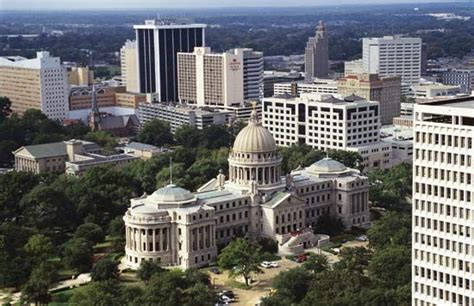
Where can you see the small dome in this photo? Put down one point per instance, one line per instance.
(171, 194)
(254, 138)
(327, 165)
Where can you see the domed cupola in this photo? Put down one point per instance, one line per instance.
(171, 195)
(254, 156)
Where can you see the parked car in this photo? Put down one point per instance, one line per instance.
(229, 293)
(223, 298)
(274, 264)
(215, 270)
(266, 264)
(301, 258)
(362, 238)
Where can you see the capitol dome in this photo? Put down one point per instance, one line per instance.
(327, 165)
(172, 194)
(254, 138)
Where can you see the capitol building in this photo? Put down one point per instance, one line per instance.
(180, 228)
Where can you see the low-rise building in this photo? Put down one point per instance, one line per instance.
(401, 140)
(270, 78)
(175, 227)
(328, 122)
(71, 157)
(435, 91)
(143, 150)
(297, 88)
(80, 76)
(177, 115)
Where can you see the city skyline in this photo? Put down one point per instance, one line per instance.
(180, 4)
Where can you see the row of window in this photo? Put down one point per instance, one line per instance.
(442, 294)
(444, 140)
(443, 192)
(442, 174)
(443, 157)
(444, 244)
(443, 209)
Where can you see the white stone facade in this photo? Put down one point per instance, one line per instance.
(179, 228)
(443, 216)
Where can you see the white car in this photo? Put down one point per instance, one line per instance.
(274, 264)
(266, 264)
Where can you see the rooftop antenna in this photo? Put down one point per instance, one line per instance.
(171, 171)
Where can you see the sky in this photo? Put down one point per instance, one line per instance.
(138, 4)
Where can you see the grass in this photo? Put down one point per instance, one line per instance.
(62, 297)
(235, 284)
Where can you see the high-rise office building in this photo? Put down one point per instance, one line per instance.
(158, 44)
(443, 211)
(386, 90)
(210, 79)
(328, 122)
(317, 54)
(38, 83)
(128, 65)
(253, 74)
(393, 56)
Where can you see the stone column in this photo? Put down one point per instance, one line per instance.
(154, 240)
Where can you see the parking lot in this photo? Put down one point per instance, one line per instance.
(261, 286)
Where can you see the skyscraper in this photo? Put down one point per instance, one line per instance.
(443, 227)
(128, 65)
(253, 74)
(38, 83)
(393, 56)
(158, 43)
(317, 54)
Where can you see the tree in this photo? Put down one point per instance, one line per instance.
(91, 232)
(316, 263)
(241, 257)
(105, 139)
(156, 132)
(46, 207)
(5, 109)
(39, 247)
(354, 260)
(78, 254)
(105, 269)
(36, 290)
(147, 269)
(329, 225)
(215, 137)
(13, 186)
(116, 227)
(292, 284)
(391, 266)
(188, 136)
(393, 228)
(99, 293)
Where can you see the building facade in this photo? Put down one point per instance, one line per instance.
(443, 216)
(297, 88)
(253, 74)
(129, 66)
(178, 115)
(461, 77)
(40, 83)
(386, 90)
(80, 76)
(393, 56)
(158, 44)
(354, 67)
(326, 122)
(178, 228)
(317, 54)
(210, 79)
(270, 78)
(435, 91)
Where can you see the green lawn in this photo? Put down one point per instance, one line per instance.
(62, 298)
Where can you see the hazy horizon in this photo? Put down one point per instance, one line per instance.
(187, 4)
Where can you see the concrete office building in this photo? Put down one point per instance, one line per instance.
(298, 88)
(326, 122)
(401, 139)
(178, 115)
(158, 44)
(80, 76)
(253, 74)
(270, 78)
(354, 67)
(175, 227)
(371, 87)
(393, 56)
(210, 79)
(461, 77)
(434, 91)
(129, 66)
(443, 215)
(39, 83)
(317, 54)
